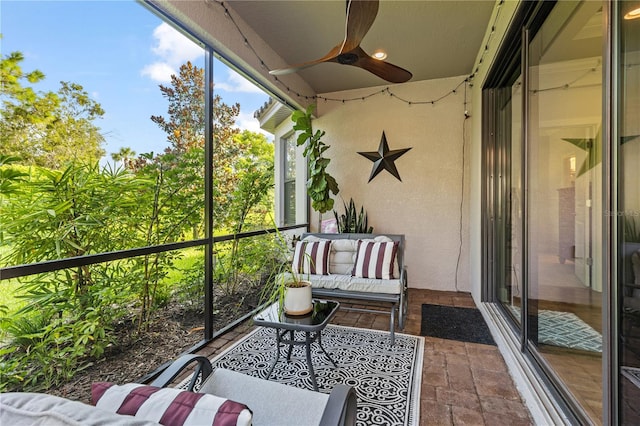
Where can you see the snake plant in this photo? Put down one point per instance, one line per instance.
(352, 221)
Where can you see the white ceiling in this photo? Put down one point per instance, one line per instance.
(432, 39)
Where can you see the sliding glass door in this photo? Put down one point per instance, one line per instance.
(628, 214)
(544, 197)
(561, 200)
(564, 215)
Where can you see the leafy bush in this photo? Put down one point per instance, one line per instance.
(46, 351)
(190, 291)
(69, 208)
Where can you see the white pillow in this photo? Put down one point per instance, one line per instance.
(375, 259)
(312, 257)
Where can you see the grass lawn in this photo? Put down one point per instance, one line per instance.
(189, 258)
(8, 293)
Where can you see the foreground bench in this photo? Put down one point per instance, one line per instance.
(224, 397)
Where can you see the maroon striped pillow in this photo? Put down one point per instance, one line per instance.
(169, 406)
(312, 257)
(375, 259)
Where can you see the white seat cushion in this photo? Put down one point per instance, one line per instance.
(272, 403)
(349, 283)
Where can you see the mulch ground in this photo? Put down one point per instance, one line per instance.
(173, 330)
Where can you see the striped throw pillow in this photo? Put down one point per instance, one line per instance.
(375, 259)
(169, 406)
(312, 257)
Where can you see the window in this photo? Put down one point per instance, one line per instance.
(289, 180)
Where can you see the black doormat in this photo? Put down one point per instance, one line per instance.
(453, 323)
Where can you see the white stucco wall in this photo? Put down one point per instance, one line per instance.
(426, 205)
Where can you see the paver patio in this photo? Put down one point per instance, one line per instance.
(462, 383)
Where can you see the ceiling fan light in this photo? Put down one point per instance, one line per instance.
(633, 14)
(379, 55)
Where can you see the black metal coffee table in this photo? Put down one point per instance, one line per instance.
(310, 324)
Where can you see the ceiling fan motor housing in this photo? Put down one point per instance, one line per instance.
(347, 58)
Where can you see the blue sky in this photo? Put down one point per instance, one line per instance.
(120, 52)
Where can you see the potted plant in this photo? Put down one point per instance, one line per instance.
(320, 183)
(352, 221)
(285, 284)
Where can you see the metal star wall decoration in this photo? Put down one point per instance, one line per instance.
(383, 159)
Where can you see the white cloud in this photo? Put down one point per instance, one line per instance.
(159, 71)
(237, 83)
(173, 46)
(173, 49)
(246, 121)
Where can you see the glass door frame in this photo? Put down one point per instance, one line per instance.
(525, 24)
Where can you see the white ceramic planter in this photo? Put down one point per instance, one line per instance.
(297, 300)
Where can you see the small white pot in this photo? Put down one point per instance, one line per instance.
(297, 300)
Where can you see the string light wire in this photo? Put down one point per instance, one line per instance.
(461, 213)
(387, 91)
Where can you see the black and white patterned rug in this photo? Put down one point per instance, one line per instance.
(386, 378)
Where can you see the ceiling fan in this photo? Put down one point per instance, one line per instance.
(360, 17)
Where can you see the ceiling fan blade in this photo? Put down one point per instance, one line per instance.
(385, 70)
(333, 53)
(360, 17)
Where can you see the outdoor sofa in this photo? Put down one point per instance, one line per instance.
(224, 397)
(364, 267)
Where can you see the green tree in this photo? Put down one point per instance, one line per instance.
(252, 171)
(242, 164)
(73, 208)
(186, 122)
(168, 207)
(251, 202)
(123, 156)
(185, 127)
(45, 128)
